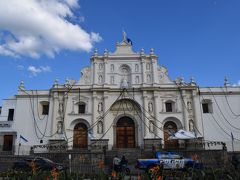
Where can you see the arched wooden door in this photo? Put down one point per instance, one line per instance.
(170, 128)
(125, 133)
(80, 136)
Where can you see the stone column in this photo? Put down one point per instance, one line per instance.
(105, 78)
(54, 112)
(105, 97)
(94, 112)
(145, 123)
(143, 70)
(157, 120)
(184, 109)
(95, 78)
(154, 71)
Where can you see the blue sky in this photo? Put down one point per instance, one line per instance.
(199, 38)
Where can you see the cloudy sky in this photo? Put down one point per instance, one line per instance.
(44, 40)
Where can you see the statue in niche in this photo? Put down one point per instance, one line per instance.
(189, 105)
(150, 107)
(60, 127)
(124, 84)
(60, 106)
(151, 126)
(136, 67)
(137, 79)
(100, 107)
(100, 127)
(100, 66)
(148, 66)
(191, 125)
(149, 78)
(112, 67)
(100, 79)
(112, 79)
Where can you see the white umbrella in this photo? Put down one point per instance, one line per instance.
(182, 134)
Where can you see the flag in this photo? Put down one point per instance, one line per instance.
(129, 41)
(21, 137)
(232, 136)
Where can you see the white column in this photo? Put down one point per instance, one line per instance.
(143, 71)
(94, 112)
(95, 72)
(145, 123)
(158, 132)
(154, 71)
(184, 109)
(54, 112)
(105, 78)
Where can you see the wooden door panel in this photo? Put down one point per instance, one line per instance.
(125, 133)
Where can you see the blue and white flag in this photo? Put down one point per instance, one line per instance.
(21, 137)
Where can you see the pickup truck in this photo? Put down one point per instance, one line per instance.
(168, 160)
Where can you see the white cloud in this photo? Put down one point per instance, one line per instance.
(36, 70)
(237, 84)
(36, 27)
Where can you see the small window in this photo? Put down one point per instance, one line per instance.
(0, 110)
(81, 108)
(169, 107)
(205, 108)
(45, 109)
(10, 114)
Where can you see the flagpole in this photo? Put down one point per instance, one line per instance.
(232, 142)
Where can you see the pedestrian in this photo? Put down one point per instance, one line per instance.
(116, 163)
(124, 161)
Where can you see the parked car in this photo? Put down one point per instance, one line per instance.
(168, 160)
(39, 163)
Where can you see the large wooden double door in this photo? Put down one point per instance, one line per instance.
(170, 128)
(125, 133)
(80, 136)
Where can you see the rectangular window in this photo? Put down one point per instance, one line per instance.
(81, 108)
(205, 108)
(7, 143)
(45, 109)
(10, 114)
(168, 107)
(0, 110)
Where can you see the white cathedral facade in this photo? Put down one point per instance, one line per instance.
(122, 100)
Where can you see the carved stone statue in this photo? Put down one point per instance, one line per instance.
(150, 107)
(191, 125)
(124, 84)
(60, 127)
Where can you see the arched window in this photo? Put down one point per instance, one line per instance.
(81, 108)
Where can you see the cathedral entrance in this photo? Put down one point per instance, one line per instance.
(80, 136)
(125, 133)
(170, 128)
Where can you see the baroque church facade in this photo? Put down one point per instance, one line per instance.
(122, 100)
